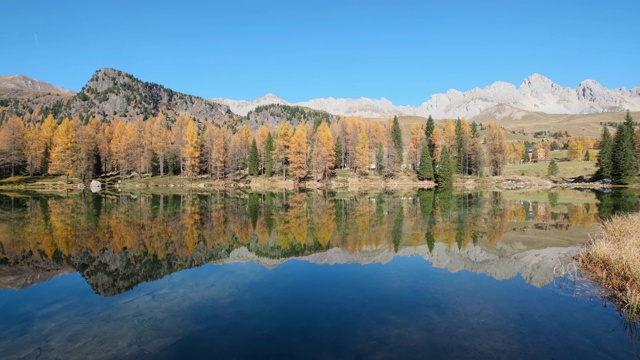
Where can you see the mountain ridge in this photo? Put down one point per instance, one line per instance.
(536, 93)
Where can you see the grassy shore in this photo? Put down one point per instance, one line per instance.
(613, 258)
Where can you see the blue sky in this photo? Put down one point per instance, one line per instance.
(404, 51)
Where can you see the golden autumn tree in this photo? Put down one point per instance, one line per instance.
(352, 132)
(497, 149)
(323, 150)
(449, 130)
(177, 138)
(362, 159)
(416, 142)
(298, 152)
(34, 149)
(261, 140)
(64, 150)
(12, 143)
(48, 127)
(86, 145)
(437, 139)
(190, 152)
(576, 149)
(282, 146)
(239, 148)
(159, 139)
(516, 152)
(220, 150)
(119, 144)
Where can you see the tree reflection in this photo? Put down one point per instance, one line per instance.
(119, 240)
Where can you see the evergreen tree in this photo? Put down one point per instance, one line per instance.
(428, 131)
(253, 162)
(623, 159)
(444, 174)
(380, 159)
(396, 134)
(474, 130)
(338, 151)
(605, 164)
(425, 169)
(552, 169)
(462, 147)
(268, 156)
(587, 156)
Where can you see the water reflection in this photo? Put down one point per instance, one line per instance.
(117, 241)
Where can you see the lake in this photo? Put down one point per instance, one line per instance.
(413, 274)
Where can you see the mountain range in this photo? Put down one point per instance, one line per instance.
(535, 94)
(111, 92)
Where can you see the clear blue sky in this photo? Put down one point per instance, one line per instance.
(404, 51)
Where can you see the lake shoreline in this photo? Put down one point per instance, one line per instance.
(350, 183)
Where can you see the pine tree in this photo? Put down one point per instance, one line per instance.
(253, 161)
(396, 134)
(380, 159)
(444, 174)
(268, 156)
(425, 169)
(552, 169)
(587, 156)
(623, 159)
(338, 152)
(428, 131)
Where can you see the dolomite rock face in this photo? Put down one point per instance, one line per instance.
(536, 93)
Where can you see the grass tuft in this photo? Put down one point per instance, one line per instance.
(613, 257)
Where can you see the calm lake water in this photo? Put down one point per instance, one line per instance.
(305, 275)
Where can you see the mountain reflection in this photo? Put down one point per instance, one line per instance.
(117, 241)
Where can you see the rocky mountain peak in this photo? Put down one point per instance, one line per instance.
(112, 92)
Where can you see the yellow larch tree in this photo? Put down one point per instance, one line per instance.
(191, 149)
(86, 145)
(416, 142)
(323, 151)
(298, 152)
(516, 151)
(437, 139)
(160, 139)
(48, 127)
(220, 150)
(449, 130)
(118, 145)
(497, 149)
(34, 149)
(12, 143)
(362, 159)
(283, 142)
(576, 149)
(64, 150)
(261, 140)
(239, 148)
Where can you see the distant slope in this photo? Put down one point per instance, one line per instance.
(111, 92)
(273, 115)
(22, 86)
(576, 124)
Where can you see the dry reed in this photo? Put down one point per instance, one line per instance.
(613, 257)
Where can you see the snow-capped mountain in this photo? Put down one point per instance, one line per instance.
(536, 93)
